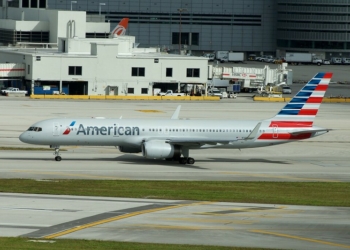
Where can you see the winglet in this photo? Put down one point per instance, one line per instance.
(176, 113)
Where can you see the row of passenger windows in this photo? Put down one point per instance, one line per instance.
(36, 129)
(200, 130)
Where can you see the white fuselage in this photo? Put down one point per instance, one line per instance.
(132, 132)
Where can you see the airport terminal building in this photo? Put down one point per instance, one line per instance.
(251, 26)
(206, 25)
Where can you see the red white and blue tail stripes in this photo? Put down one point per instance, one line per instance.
(295, 120)
(305, 104)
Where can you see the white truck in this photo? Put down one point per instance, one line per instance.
(11, 90)
(222, 56)
(235, 56)
(302, 58)
(214, 92)
(210, 57)
(170, 93)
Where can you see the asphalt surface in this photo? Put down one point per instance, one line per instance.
(323, 158)
(49, 217)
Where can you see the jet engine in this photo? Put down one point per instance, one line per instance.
(124, 149)
(157, 149)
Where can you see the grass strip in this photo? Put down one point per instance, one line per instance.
(24, 243)
(293, 193)
(29, 149)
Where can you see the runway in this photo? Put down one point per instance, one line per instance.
(292, 163)
(51, 217)
(323, 158)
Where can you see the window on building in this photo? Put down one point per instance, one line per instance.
(42, 4)
(33, 4)
(144, 90)
(186, 38)
(75, 70)
(137, 71)
(25, 3)
(130, 90)
(28, 69)
(192, 72)
(169, 72)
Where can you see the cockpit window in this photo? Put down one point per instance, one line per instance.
(36, 129)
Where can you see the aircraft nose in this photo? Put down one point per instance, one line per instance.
(24, 137)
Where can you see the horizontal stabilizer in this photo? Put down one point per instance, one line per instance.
(176, 113)
(310, 131)
(255, 131)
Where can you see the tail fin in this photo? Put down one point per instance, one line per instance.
(121, 28)
(302, 109)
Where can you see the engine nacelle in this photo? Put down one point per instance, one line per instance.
(157, 149)
(124, 149)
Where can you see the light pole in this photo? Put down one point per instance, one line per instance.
(71, 4)
(99, 10)
(180, 11)
(7, 7)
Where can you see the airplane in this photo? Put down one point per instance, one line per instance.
(120, 29)
(172, 139)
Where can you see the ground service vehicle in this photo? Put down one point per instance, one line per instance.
(13, 90)
(346, 60)
(286, 90)
(215, 92)
(236, 57)
(336, 60)
(302, 58)
(222, 56)
(170, 93)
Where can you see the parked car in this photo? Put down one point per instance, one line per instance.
(286, 90)
(326, 62)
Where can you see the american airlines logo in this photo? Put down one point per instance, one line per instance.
(67, 131)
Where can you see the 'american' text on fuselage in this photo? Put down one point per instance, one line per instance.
(110, 130)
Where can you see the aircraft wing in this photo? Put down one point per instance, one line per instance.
(197, 141)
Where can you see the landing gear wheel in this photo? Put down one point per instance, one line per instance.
(190, 161)
(57, 152)
(183, 160)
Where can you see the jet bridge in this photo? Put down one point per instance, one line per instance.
(252, 79)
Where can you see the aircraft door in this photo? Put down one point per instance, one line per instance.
(56, 129)
(275, 131)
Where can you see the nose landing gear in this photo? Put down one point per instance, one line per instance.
(57, 152)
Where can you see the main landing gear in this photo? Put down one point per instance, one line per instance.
(57, 152)
(186, 160)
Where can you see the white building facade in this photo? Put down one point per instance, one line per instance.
(97, 66)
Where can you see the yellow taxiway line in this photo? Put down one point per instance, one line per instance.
(301, 238)
(124, 216)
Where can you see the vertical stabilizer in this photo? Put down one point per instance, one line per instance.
(121, 28)
(302, 109)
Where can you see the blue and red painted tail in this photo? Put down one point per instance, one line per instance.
(302, 109)
(299, 114)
